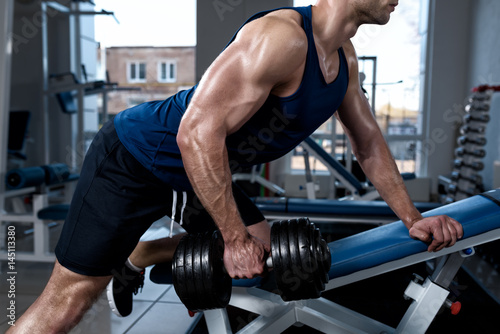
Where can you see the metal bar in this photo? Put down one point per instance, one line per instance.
(256, 300)
(447, 269)
(329, 219)
(329, 317)
(45, 86)
(333, 172)
(278, 323)
(55, 5)
(65, 10)
(217, 321)
(6, 24)
(423, 309)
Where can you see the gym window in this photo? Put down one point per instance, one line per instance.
(136, 72)
(167, 71)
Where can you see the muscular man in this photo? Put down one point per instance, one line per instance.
(284, 74)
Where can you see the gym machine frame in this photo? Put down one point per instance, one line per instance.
(275, 315)
(75, 13)
(329, 317)
(40, 198)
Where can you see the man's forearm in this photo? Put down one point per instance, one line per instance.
(206, 164)
(381, 170)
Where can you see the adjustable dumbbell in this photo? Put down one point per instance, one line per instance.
(463, 140)
(479, 153)
(477, 118)
(474, 178)
(300, 259)
(475, 165)
(477, 106)
(469, 129)
(480, 96)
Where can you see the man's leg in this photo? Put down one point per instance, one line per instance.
(148, 253)
(62, 304)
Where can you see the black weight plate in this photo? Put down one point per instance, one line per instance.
(283, 274)
(207, 274)
(275, 247)
(304, 263)
(178, 269)
(191, 295)
(320, 256)
(294, 270)
(180, 275)
(308, 262)
(183, 280)
(315, 267)
(325, 255)
(221, 282)
(199, 294)
(319, 272)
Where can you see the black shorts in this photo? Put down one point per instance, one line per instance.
(116, 200)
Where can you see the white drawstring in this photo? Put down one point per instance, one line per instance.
(172, 217)
(174, 210)
(184, 202)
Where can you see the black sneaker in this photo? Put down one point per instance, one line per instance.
(121, 289)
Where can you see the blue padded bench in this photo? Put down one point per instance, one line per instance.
(361, 256)
(478, 214)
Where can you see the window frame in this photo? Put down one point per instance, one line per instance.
(137, 71)
(169, 78)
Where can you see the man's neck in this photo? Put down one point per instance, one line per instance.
(334, 24)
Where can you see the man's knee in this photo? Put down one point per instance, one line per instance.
(74, 290)
(63, 302)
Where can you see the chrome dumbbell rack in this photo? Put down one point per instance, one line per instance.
(466, 180)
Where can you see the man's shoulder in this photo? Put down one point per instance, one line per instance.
(350, 54)
(285, 23)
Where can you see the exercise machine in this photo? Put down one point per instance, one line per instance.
(332, 211)
(43, 187)
(362, 256)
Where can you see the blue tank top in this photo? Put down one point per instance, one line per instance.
(149, 130)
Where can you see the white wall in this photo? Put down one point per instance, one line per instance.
(446, 82)
(464, 50)
(484, 68)
(6, 18)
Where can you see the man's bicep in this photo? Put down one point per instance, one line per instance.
(355, 113)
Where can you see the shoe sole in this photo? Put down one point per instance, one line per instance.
(111, 299)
